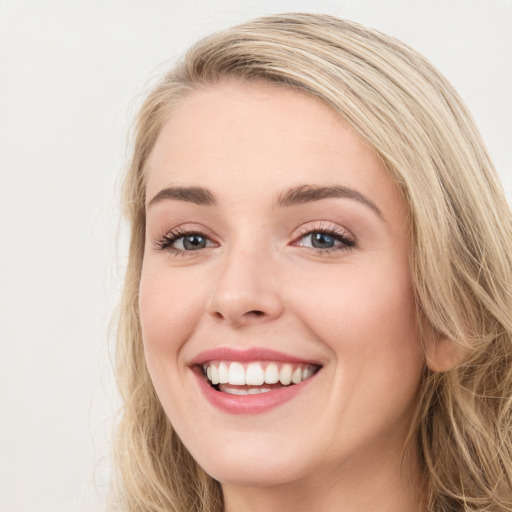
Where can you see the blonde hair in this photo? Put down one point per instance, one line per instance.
(461, 253)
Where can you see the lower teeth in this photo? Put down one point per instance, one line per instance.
(231, 390)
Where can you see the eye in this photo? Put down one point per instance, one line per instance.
(326, 239)
(179, 241)
(320, 241)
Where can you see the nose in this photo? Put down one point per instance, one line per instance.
(246, 290)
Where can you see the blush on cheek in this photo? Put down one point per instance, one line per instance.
(169, 313)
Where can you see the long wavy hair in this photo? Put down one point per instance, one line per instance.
(460, 261)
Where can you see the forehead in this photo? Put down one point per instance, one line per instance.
(245, 116)
(239, 135)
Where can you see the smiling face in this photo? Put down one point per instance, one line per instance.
(276, 262)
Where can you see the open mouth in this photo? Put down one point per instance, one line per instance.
(237, 378)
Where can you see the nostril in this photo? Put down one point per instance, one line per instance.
(255, 313)
(247, 317)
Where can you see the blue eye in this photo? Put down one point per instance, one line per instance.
(191, 242)
(180, 242)
(326, 240)
(322, 240)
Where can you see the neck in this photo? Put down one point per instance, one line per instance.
(374, 485)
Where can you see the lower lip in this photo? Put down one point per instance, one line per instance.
(249, 404)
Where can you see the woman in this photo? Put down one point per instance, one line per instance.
(317, 304)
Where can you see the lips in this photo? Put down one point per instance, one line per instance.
(251, 381)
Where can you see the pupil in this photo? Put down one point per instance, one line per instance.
(322, 241)
(194, 242)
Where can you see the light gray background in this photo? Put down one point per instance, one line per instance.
(71, 74)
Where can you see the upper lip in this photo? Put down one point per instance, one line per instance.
(248, 355)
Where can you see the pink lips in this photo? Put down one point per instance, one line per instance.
(246, 404)
(251, 354)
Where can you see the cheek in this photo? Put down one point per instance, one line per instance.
(367, 318)
(169, 310)
(369, 323)
(359, 300)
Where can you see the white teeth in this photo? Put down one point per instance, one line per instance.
(223, 373)
(257, 391)
(254, 375)
(244, 391)
(271, 374)
(285, 375)
(234, 373)
(306, 373)
(215, 375)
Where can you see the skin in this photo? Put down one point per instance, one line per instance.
(260, 283)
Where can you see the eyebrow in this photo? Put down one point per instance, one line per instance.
(196, 195)
(297, 195)
(308, 193)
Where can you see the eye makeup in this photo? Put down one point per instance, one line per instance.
(323, 239)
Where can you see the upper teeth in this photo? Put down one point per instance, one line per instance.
(256, 374)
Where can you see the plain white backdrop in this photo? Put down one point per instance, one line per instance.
(71, 75)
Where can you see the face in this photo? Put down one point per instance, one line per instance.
(276, 302)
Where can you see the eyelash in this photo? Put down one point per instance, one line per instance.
(339, 235)
(167, 241)
(347, 242)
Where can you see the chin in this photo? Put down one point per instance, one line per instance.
(255, 473)
(254, 464)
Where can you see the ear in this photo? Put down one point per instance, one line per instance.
(442, 354)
